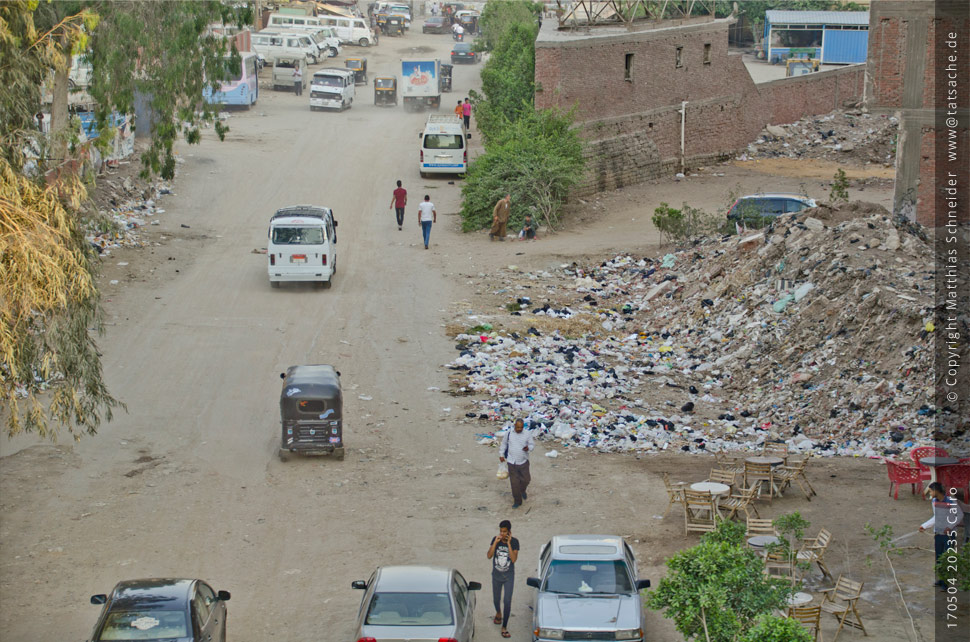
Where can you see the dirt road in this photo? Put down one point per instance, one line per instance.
(187, 482)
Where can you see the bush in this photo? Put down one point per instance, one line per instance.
(508, 82)
(536, 159)
(954, 569)
(686, 223)
(770, 628)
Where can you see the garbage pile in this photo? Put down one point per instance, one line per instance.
(816, 330)
(125, 204)
(853, 135)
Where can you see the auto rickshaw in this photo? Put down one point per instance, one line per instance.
(380, 19)
(359, 65)
(394, 26)
(445, 78)
(311, 411)
(385, 90)
(469, 22)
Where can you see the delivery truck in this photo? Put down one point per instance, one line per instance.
(421, 83)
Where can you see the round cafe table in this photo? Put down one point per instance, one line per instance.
(937, 462)
(774, 461)
(761, 541)
(800, 599)
(713, 488)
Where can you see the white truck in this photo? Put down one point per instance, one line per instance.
(421, 83)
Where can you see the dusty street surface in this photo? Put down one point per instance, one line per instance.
(187, 482)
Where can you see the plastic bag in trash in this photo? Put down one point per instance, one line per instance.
(503, 470)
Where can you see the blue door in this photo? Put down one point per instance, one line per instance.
(845, 46)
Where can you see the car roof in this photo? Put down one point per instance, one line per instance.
(584, 547)
(158, 593)
(462, 45)
(296, 211)
(800, 197)
(413, 579)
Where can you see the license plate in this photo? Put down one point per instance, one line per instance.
(335, 440)
(298, 258)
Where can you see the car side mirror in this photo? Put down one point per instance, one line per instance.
(642, 584)
(99, 599)
(358, 584)
(338, 373)
(224, 596)
(282, 375)
(533, 582)
(474, 586)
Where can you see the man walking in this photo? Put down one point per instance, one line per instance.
(515, 448)
(500, 218)
(399, 201)
(466, 114)
(946, 515)
(297, 77)
(458, 110)
(503, 551)
(426, 217)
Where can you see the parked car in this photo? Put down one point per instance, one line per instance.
(436, 24)
(587, 589)
(416, 603)
(758, 210)
(462, 52)
(162, 609)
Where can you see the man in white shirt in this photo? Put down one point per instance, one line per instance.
(947, 514)
(515, 448)
(426, 217)
(459, 31)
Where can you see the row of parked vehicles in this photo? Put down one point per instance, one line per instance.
(587, 588)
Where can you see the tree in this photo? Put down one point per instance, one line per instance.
(508, 81)
(498, 17)
(715, 591)
(536, 159)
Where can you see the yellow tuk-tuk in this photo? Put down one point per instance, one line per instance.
(385, 90)
(359, 66)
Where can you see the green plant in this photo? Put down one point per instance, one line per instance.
(686, 223)
(771, 628)
(791, 527)
(954, 568)
(715, 591)
(840, 187)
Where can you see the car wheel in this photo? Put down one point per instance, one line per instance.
(282, 454)
(224, 628)
(338, 454)
(333, 52)
(364, 42)
(274, 284)
(326, 284)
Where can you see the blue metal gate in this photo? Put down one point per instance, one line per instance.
(844, 46)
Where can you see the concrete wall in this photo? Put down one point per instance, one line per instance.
(632, 123)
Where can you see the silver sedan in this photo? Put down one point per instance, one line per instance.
(416, 603)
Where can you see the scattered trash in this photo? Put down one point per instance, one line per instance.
(365, 397)
(552, 454)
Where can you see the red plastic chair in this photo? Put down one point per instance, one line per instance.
(957, 476)
(926, 451)
(901, 473)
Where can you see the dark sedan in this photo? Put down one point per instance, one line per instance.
(462, 52)
(162, 609)
(436, 25)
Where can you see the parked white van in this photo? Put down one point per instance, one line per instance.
(326, 38)
(350, 30)
(302, 245)
(279, 20)
(443, 149)
(269, 44)
(332, 88)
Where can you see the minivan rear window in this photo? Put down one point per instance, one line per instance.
(444, 141)
(294, 235)
(312, 405)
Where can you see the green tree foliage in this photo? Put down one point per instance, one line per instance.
(770, 628)
(715, 591)
(840, 187)
(498, 17)
(508, 81)
(536, 159)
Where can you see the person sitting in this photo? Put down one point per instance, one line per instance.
(459, 30)
(528, 232)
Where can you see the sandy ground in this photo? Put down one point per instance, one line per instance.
(187, 482)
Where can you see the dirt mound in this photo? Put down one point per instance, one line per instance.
(833, 214)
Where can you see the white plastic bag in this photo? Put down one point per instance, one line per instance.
(503, 470)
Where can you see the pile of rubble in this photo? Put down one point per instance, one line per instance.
(816, 330)
(853, 135)
(125, 203)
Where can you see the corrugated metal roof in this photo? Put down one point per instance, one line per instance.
(777, 17)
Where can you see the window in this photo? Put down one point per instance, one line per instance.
(707, 53)
(594, 576)
(144, 625)
(298, 235)
(444, 141)
(313, 406)
(680, 57)
(410, 609)
(460, 599)
(628, 68)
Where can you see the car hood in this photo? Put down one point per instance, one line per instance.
(606, 612)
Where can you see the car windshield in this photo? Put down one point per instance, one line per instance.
(588, 577)
(144, 625)
(462, 47)
(443, 141)
(294, 235)
(327, 81)
(410, 609)
(385, 83)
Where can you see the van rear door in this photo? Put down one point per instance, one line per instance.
(299, 243)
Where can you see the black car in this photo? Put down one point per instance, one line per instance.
(462, 52)
(436, 25)
(162, 609)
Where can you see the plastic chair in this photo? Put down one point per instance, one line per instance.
(840, 601)
(957, 476)
(810, 617)
(926, 451)
(901, 473)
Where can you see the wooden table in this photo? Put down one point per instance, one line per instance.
(800, 599)
(761, 541)
(774, 461)
(715, 489)
(937, 462)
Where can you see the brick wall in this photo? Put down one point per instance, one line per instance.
(633, 126)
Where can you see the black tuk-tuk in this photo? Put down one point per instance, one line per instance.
(359, 65)
(311, 411)
(385, 90)
(469, 23)
(445, 78)
(394, 26)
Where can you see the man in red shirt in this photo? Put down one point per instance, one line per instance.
(399, 201)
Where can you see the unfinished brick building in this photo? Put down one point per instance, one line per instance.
(654, 99)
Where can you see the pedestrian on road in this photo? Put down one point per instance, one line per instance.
(500, 218)
(516, 446)
(458, 110)
(297, 77)
(503, 551)
(466, 113)
(946, 515)
(399, 201)
(426, 217)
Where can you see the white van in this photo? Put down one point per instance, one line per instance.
(269, 44)
(443, 149)
(332, 88)
(302, 245)
(350, 30)
(283, 21)
(326, 38)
